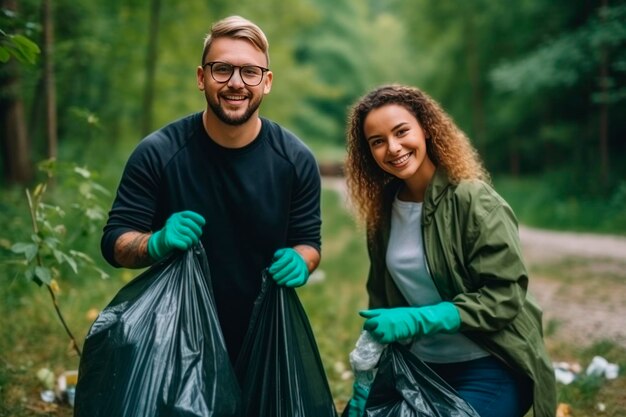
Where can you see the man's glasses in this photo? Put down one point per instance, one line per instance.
(251, 75)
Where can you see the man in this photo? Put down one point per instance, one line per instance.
(248, 189)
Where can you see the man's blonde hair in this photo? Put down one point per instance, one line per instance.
(237, 27)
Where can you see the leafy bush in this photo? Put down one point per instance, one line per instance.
(51, 247)
(549, 202)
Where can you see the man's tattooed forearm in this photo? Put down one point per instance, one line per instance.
(131, 250)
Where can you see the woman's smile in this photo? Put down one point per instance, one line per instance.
(401, 160)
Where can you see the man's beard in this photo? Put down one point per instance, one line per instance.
(230, 120)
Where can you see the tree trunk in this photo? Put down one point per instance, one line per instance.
(151, 63)
(49, 79)
(604, 109)
(15, 143)
(475, 76)
(16, 165)
(514, 159)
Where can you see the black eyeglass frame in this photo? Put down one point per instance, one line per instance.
(210, 65)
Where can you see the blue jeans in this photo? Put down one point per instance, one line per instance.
(489, 386)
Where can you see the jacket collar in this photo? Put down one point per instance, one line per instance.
(434, 193)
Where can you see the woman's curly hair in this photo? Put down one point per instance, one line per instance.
(447, 146)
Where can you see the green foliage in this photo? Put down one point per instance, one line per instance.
(616, 206)
(18, 46)
(13, 43)
(326, 54)
(563, 61)
(49, 247)
(555, 201)
(51, 244)
(560, 101)
(350, 48)
(521, 79)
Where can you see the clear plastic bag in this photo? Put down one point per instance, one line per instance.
(157, 348)
(364, 359)
(279, 367)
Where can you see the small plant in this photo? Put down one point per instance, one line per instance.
(49, 247)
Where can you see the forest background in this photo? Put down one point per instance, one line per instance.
(538, 85)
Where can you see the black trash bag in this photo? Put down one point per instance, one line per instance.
(405, 386)
(157, 349)
(279, 367)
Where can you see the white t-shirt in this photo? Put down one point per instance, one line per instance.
(407, 265)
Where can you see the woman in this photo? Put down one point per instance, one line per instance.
(446, 264)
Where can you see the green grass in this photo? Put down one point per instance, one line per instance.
(546, 203)
(31, 336)
(587, 392)
(333, 303)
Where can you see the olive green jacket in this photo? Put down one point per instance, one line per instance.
(473, 253)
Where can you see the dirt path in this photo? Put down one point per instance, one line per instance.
(579, 280)
(546, 245)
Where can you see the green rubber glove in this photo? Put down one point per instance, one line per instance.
(388, 325)
(289, 268)
(182, 230)
(358, 400)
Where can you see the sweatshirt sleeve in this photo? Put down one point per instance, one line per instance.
(134, 205)
(305, 214)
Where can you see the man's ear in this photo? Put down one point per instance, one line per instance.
(269, 76)
(200, 77)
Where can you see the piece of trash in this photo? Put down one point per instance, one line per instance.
(565, 372)
(563, 410)
(71, 394)
(611, 371)
(564, 376)
(67, 380)
(47, 396)
(364, 359)
(367, 352)
(601, 367)
(46, 376)
(601, 407)
(66, 386)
